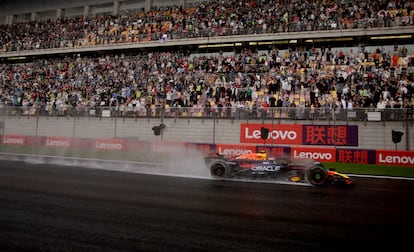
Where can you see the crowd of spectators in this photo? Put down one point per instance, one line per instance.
(249, 80)
(207, 18)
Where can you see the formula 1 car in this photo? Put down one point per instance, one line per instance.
(258, 166)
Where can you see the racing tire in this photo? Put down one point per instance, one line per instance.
(219, 169)
(317, 175)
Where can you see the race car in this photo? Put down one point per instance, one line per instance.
(259, 166)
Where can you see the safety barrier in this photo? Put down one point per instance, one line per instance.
(231, 113)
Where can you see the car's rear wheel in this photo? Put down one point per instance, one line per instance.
(219, 169)
(317, 175)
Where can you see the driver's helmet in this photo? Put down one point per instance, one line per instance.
(262, 155)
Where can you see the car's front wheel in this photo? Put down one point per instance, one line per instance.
(317, 175)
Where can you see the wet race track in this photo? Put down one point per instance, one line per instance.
(50, 207)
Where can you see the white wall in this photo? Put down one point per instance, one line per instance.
(372, 135)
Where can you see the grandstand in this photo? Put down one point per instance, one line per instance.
(206, 48)
(296, 31)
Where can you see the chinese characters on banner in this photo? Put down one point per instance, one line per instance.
(328, 135)
(342, 135)
(356, 156)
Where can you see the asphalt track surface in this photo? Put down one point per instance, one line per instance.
(48, 207)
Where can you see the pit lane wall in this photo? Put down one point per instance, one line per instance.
(322, 154)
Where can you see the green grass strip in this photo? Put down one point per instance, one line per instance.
(372, 169)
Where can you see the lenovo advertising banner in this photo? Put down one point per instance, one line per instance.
(110, 144)
(14, 139)
(234, 149)
(275, 151)
(400, 158)
(205, 149)
(319, 154)
(294, 134)
(167, 147)
(60, 142)
(66, 142)
(278, 133)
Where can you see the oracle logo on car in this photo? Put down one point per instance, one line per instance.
(278, 134)
(318, 154)
(268, 168)
(405, 158)
(234, 150)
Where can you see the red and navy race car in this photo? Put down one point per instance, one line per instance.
(259, 166)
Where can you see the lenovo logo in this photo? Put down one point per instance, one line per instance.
(278, 134)
(326, 156)
(13, 140)
(57, 143)
(273, 134)
(108, 146)
(389, 159)
(232, 152)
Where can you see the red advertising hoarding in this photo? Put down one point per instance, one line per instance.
(61, 142)
(318, 154)
(205, 149)
(110, 144)
(355, 156)
(14, 139)
(400, 158)
(288, 134)
(167, 147)
(278, 133)
(234, 149)
(338, 135)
